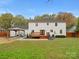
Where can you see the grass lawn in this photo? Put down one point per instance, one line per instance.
(67, 48)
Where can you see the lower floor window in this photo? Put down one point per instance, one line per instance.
(32, 31)
(51, 30)
(60, 31)
(42, 32)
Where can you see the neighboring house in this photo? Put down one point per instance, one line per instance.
(53, 27)
(72, 29)
(71, 32)
(17, 31)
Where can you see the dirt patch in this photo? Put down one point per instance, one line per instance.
(6, 40)
(10, 40)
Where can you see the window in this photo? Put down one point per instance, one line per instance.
(36, 24)
(60, 31)
(47, 23)
(42, 32)
(52, 35)
(51, 30)
(32, 31)
(55, 24)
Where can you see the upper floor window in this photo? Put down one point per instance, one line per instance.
(56, 24)
(32, 31)
(60, 31)
(36, 24)
(51, 30)
(47, 23)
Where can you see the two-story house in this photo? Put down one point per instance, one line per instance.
(53, 27)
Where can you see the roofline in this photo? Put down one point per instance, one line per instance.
(46, 22)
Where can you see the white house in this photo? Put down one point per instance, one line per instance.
(54, 28)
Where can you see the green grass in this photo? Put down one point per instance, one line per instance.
(52, 49)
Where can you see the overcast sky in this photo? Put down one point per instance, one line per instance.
(31, 8)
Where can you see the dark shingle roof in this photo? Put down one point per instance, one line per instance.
(22, 27)
(45, 21)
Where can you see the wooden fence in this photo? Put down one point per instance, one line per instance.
(72, 34)
(77, 34)
(4, 34)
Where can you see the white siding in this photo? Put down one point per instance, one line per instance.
(60, 26)
(12, 33)
(26, 32)
(47, 28)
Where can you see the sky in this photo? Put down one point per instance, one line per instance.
(31, 8)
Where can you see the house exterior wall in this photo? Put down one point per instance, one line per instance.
(26, 32)
(60, 26)
(15, 33)
(48, 28)
(12, 33)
